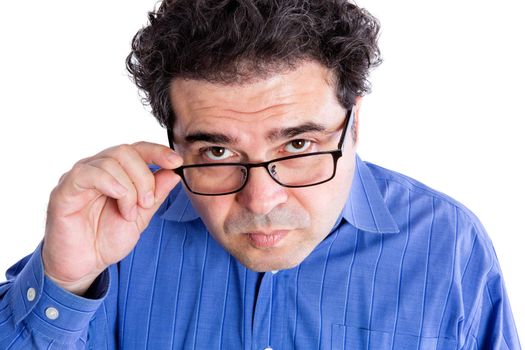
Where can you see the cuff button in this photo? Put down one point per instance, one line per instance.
(31, 294)
(51, 313)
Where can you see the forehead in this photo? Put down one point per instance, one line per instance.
(288, 97)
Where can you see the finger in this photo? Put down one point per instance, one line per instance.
(137, 170)
(165, 181)
(151, 153)
(84, 177)
(160, 155)
(81, 179)
(127, 204)
(81, 161)
(134, 159)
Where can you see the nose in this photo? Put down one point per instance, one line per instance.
(261, 193)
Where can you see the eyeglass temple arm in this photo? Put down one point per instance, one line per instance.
(349, 122)
(170, 136)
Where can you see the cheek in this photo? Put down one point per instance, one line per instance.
(332, 192)
(325, 202)
(213, 210)
(345, 172)
(319, 203)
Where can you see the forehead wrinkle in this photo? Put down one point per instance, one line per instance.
(270, 110)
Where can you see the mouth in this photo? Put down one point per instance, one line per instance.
(266, 239)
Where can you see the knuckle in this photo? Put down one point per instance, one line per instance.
(62, 177)
(54, 193)
(118, 152)
(123, 149)
(84, 160)
(80, 162)
(106, 163)
(139, 144)
(76, 170)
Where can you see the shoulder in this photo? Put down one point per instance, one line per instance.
(452, 223)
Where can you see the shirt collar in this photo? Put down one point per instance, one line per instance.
(365, 208)
(179, 207)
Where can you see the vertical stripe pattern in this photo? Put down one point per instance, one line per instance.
(405, 267)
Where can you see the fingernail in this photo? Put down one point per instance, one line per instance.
(149, 199)
(174, 157)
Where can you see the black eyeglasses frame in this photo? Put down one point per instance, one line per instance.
(336, 154)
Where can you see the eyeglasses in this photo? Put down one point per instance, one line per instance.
(302, 170)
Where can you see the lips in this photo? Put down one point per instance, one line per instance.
(266, 240)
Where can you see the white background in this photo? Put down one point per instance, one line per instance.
(446, 108)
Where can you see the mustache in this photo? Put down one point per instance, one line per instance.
(279, 217)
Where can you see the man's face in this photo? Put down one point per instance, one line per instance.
(265, 226)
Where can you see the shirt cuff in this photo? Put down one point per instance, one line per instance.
(45, 307)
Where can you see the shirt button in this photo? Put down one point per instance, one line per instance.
(51, 313)
(31, 294)
(268, 348)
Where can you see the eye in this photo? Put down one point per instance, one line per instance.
(297, 146)
(217, 153)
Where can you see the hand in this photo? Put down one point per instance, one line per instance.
(99, 209)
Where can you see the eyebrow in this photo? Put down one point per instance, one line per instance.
(210, 138)
(286, 133)
(272, 135)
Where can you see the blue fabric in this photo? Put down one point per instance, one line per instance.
(405, 267)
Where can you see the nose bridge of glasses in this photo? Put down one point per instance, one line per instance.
(268, 165)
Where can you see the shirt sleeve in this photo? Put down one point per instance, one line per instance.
(493, 324)
(35, 313)
(488, 322)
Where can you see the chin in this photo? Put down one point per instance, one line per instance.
(286, 255)
(269, 263)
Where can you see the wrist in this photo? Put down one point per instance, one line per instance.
(79, 287)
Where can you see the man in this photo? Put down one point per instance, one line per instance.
(279, 235)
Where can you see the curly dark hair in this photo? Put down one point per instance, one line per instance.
(235, 41)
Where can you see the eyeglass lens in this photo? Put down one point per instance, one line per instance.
(301, 171)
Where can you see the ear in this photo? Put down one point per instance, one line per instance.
(357, 107)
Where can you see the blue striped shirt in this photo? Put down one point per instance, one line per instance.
(405, 267)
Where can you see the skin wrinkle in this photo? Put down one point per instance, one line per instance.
(259, 111)
(267, 101)
(211, 107)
